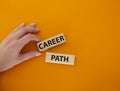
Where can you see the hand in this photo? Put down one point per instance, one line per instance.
(12, 45)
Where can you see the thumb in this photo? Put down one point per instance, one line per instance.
(26, 56)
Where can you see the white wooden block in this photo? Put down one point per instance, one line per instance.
(51, 42)
(60, 58)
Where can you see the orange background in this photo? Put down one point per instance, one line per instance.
(92, 29)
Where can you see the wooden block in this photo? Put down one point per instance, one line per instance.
(51, 42)
(60, 58)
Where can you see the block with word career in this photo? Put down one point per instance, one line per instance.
(51, 42)
(60, 58)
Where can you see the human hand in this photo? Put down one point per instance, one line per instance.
(12, 45)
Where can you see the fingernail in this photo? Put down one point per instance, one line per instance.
(33, 24)
(38, 40)
(38, 54)
(38, 29)
(22, 24)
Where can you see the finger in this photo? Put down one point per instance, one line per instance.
(26, 56)
(26, 39)
(19, 27)
(22, 25)
(11, 34)
(33, 24)
(28, 29)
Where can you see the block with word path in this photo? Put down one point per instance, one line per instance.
(51, 42)
(60, 58)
